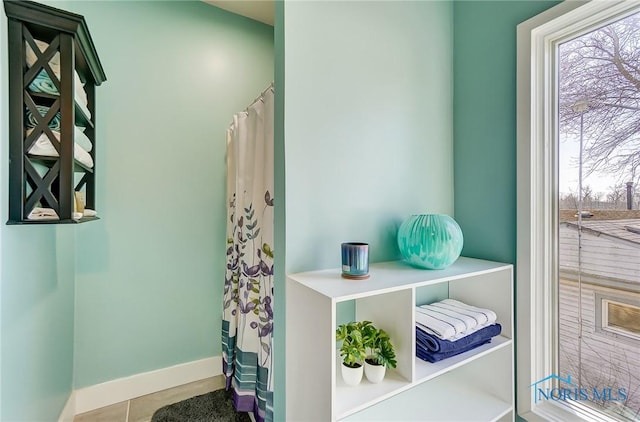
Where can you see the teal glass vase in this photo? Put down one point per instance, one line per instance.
(432, 241)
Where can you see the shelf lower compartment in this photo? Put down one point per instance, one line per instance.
(350, 400)
(446, 399)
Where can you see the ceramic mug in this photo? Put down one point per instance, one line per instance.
(355, 260)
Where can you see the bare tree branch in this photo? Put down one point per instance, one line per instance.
(603, 68)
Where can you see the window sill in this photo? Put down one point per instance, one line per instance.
(556, 412)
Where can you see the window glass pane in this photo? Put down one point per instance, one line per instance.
(624, 316)
(599, 216)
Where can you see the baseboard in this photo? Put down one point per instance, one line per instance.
(69, 410)
(118, 390)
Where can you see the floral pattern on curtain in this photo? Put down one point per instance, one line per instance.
(247, 321)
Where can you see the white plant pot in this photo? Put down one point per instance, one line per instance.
(374, 373)
(352, 376)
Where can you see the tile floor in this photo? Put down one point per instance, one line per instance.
(141, 409)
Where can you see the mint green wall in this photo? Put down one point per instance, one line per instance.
(367, 131)
(485, 123)
(37, 320)
(368, 126)
(36, 300)
(149, 274)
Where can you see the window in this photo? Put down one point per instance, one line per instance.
(539, 272)
(620, 318)
(598, 144)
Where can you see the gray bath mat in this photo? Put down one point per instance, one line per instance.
(216, 406)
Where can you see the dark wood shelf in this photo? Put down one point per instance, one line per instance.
(66, 221)
(49, 161)
(30, 26)
(44, 95)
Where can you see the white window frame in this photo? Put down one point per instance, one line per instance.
(537, 273)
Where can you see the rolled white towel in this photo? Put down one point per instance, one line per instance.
(81, 139)
(90, 213)
(84, 108)
(43, 147)
(80, 93)
(54, 62)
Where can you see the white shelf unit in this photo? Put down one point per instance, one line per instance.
(473, 386)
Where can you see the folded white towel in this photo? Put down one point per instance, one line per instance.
(436, 328)
(90, 213)
(38, 213)
(451, 319)
(438, 311)
(476, 317)
(442, 325)
(80, 95)
(482, 315)
(430, 330)
(43, 147)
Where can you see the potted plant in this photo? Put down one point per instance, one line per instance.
(380, 354)
(352, 351)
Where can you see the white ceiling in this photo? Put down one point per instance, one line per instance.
(260, 10)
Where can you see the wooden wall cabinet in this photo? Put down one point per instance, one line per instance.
(51, 55)
(477, 385)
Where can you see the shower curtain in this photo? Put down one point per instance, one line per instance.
(247, 321)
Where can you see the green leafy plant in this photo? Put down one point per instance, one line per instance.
(352, 349)
(378, 347)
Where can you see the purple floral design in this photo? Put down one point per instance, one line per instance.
(248, 288)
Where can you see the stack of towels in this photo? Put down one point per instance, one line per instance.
(450, 327)
(43, 145)
(43, 83)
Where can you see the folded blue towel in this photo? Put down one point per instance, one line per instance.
(435, 344)
(435, 357)
(433, 349)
